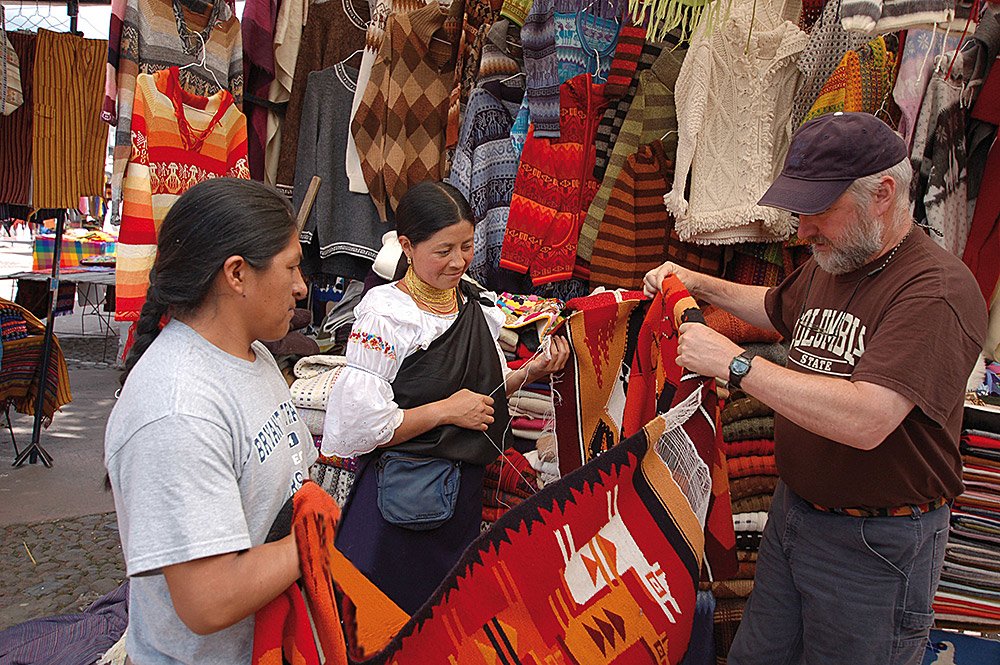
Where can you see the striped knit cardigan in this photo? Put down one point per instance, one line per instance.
(650, 117)
(151, 42)
(635, 237)
(178, 140)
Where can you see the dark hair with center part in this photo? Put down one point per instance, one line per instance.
(425, 209)
(428, 207)
(207, 225)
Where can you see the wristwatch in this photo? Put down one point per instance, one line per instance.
(739, 367)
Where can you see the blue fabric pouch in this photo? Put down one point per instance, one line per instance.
(416, 492)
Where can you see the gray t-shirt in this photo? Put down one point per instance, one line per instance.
(203, 449)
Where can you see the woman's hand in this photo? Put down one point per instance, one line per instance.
(469, 410)
(552, 360)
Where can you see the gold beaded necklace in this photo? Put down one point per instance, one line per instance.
(438, 301)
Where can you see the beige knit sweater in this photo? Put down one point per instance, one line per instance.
(733, 108)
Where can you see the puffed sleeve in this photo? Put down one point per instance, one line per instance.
(361, 412)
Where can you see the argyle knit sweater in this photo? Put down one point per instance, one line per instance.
(178, 140)
(400, 125)
(484, 169)
(634, 237)
(381, 10)
(151, 42)
(554, 187)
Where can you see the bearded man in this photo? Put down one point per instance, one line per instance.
(884, 327)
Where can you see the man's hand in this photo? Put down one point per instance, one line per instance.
(704, 351)
(654, 278)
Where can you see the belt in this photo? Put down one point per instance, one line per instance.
(898, 511)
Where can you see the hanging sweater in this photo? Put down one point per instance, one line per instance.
(543, 64)
(16, 128)
(554, 187)
(334, 31)
(69, 141)
(400, 125)
(477, 18)
(292, 16)
(861, 82)
(109, 112)
(732, 112)
(258, 23)
(915, 68)
(484, 169)
(151, 42)
(179, 140)
(374, 35)
(827, 45)
(650, 118)
(343, 233)
(502, 57)
(633, 55)
(634, 238)
(882, 16)
(939, 161)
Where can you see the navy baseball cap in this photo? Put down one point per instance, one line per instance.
(828, 154)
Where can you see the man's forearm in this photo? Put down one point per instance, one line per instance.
(743, 300)
(856, 414)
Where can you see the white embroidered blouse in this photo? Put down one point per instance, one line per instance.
(361, 411)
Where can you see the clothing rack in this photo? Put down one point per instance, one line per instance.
(34, 451)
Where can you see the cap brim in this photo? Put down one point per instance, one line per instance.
(803, 197)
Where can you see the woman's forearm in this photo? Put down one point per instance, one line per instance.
(417, 421)
(214, 593)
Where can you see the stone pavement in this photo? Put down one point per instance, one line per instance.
(57, 567)
(59, 545)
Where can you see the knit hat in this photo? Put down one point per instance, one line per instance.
(828, 154)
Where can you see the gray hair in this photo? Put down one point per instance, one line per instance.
(863, 189)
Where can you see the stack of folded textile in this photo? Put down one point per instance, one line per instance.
(508, 482)
(314, 379)
(529, 320)
(969, 593)
(748, 441)
(335, 475)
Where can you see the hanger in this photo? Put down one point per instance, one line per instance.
(344, 61)
(672, 131)
(202, 62)
(512, 77)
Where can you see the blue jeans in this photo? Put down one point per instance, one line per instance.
(838, 590)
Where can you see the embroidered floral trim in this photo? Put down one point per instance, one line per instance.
(373, 343)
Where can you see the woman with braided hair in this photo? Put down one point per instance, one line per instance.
(204, 445)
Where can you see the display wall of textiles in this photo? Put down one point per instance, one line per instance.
(593, 140)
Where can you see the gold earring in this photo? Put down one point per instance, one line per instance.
(409, 260)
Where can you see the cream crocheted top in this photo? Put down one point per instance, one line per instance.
(733, 109)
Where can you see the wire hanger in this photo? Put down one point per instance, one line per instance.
(512, 78)
(204, 54)
(344, 61)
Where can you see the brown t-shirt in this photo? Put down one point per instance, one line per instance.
(916, 327)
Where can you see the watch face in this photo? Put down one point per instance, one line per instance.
(740, 365)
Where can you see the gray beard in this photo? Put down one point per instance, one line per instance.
(862, 242)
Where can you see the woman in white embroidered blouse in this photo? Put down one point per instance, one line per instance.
(424, 388)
